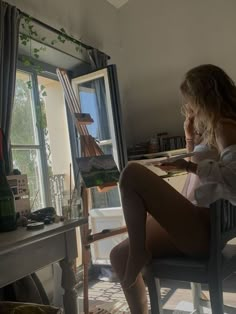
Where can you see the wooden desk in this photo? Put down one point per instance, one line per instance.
(23, 252)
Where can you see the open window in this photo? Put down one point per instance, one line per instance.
(98, 95)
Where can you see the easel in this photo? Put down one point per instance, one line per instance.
(89, 147)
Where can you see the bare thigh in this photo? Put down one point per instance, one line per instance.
(187, 225)
(158, 242)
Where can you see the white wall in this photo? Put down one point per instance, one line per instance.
(160, 40)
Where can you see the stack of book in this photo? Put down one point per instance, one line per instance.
(170, 142)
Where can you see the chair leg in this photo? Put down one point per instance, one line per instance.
(154, 290)
(158, 290)
(196, 293)
(216, 295)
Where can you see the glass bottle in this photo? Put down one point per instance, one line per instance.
(7, 201)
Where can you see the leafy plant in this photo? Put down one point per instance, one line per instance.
(30, 32)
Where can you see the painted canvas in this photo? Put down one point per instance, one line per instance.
(98, 170)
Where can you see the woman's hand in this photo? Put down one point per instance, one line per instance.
(177, 165)
(189, 127)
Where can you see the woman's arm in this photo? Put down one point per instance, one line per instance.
(189, 133)
(180, 165)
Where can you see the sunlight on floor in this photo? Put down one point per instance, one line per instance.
(108, 298)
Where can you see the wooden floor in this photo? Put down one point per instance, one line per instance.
(107, 297)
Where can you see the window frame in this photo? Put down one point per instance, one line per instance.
(41, 142)
(111, 140)
(100, 74)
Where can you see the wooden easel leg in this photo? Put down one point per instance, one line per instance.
(86, 250)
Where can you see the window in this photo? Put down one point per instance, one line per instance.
(100, 131)
(25, 138)
(39, 126)
(94, 97)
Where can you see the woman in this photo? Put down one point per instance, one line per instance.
(176, 226)
(195, 143)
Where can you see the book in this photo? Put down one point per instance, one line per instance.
(159, 161)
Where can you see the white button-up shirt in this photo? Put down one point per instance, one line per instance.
(217, 178)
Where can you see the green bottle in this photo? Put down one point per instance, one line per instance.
(7, 201)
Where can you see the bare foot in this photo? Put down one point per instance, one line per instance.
(133, 267)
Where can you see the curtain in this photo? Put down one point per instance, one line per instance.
(98, 59)
(9, 33)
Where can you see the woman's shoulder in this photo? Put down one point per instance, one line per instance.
(225, 133)
(226, 121)
(225, 125)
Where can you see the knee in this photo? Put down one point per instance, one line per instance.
(130, 175)
(115, 256)
(119, 255)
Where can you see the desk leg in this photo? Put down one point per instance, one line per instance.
(68, 282)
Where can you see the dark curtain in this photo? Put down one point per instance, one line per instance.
(9, 34)
(98, 59)
(28, 288)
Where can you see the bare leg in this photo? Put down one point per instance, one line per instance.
(136, 295)
(159, 244)
(143, 191)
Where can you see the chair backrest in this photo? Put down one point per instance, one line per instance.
(223, 227)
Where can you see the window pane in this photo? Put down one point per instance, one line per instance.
(43, 90)
(97, 107)
(28, 162)
(107, 149)
(54, 128)
(23, 128)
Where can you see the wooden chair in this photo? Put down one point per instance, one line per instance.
(213, 270)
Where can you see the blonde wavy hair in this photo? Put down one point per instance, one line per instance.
(210, 94)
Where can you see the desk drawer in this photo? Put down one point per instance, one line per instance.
(27, 259)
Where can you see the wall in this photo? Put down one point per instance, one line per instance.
(160, 40)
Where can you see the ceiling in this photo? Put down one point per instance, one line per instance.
(117, 3)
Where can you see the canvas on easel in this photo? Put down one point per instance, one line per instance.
(98, 170)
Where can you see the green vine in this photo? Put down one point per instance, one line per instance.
(30, 33)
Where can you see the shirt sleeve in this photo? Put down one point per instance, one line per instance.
(218, 180)
(222, 172)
